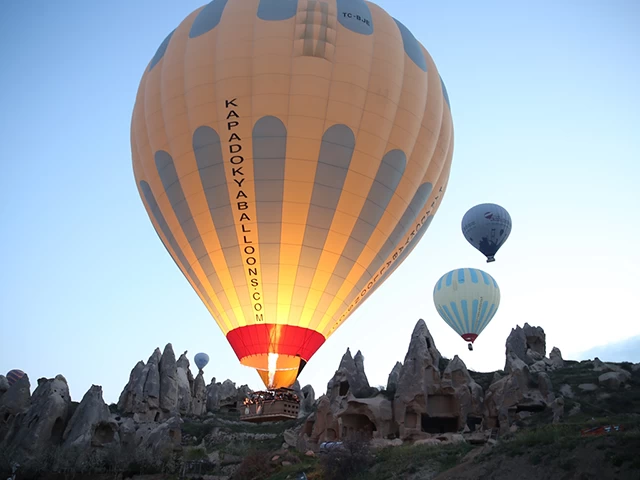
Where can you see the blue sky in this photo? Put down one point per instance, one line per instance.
(546, 111)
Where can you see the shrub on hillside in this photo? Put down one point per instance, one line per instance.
(256, 465)
(352, 457)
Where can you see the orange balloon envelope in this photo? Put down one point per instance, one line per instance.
(290, 154)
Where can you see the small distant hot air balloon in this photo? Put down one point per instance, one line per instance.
(487, 226)
(14, 375)
(467, 299)
(201, 360)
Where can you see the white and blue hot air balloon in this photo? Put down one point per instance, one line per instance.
(467, 299)
(487, 226)
(201, 360)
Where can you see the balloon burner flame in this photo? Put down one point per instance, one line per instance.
(273, 363)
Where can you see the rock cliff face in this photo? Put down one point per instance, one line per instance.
(427, 399)
(529, 345)
(349, 378)
(144, 428)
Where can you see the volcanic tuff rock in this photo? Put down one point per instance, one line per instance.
(4, 385)
(307, 397)
(392, 381)
(427, 399)
(146, 429)
(42, 423)
(419, 377)
(91, 423)
(184, 383)
(168, 380)
(426, 396)
(199, 400)
(349, 378)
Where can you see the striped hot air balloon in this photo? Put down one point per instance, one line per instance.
(289, 153)
(467, 299)
(14, 375)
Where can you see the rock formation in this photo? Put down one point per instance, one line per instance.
(392, 381)
(168, 380)
(163, 388)
(15, 399)
(520, 390)
(457, 381)
(529, 345)
(307, 396)
(419, 378)
(4, 385)
(184, 383)
(199, 401)
(427, 399)
(141, 395)
(42, 425)
(323, 424)
(349, 378)
(555, 358)
(146, 429)
(91, 423)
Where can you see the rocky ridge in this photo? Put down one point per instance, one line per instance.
(427, 400)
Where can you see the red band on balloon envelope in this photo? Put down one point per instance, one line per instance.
(271, 338)
(470, 337)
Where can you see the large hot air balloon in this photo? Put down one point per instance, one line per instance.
(467, 299)
(487, 227)
(201, 360)
(14, 375)
(289, 154)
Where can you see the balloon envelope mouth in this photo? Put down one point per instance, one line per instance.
(470, 337)
(256, 344)
(275, 370)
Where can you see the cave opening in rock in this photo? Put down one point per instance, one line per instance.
(229, 408)
(473, 422)
(439, 424)
(103, 434)
(308, 427)
(357, 424)
(331, 435)
(344, 388)
(410, 419)
(535, 407)
(56, 431)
